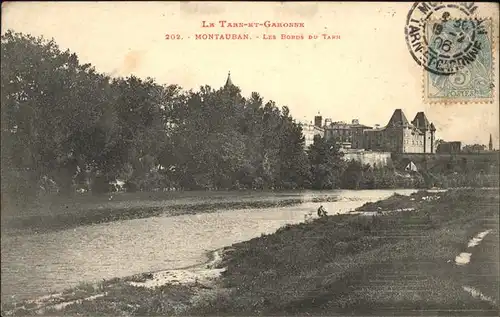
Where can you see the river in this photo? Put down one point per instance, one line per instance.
(40, 263)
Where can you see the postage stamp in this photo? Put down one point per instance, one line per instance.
(459, 65)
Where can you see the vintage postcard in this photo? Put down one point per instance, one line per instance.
(250, 158)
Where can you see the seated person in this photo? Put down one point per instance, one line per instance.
(321, 211)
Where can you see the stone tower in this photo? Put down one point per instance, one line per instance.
(490, 144)
(398, 128)
(433, 131)
(318, 121)
(420, 122)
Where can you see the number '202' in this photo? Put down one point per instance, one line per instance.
(172, 37)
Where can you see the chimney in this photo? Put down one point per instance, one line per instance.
(318, 121)
(355, 121)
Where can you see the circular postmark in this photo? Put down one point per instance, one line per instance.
(439, 36)
(453, 44)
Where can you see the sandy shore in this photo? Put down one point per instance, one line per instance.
(200, 274)
(199, 277)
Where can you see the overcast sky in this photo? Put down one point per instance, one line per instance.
(365, 74)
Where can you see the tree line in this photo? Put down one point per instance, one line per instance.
(68, 127)
(65, 124)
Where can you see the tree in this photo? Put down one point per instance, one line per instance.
(48, 98)
(293, 164)
(353, 174)
(326, 163)
(64, 121)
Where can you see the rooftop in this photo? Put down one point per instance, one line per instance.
(421, 122)
(229, 82)
(398, 119)
(345, 125)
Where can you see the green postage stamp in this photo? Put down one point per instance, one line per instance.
(460, 61)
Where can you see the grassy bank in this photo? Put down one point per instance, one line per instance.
(357, 264)
(396, 263)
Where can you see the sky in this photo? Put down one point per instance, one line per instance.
(365, 74)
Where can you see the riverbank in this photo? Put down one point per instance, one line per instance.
(408, 259)
(399, 263)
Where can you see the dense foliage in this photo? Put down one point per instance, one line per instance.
(64, 124)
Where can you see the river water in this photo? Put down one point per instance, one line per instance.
(41, 263)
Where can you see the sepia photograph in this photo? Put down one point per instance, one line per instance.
(185, 158)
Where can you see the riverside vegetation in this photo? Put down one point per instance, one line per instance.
(67, 128)
(396, 262)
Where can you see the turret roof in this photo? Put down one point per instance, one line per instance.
(421, 122)
(398, 119)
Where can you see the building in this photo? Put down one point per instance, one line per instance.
(449, 147)
(310, 130)
(340, 132)
(349, 135)
(357, 134)
(401, 136)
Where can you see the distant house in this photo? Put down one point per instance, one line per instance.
(449, 147)
(348, 135)
(310, 130)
